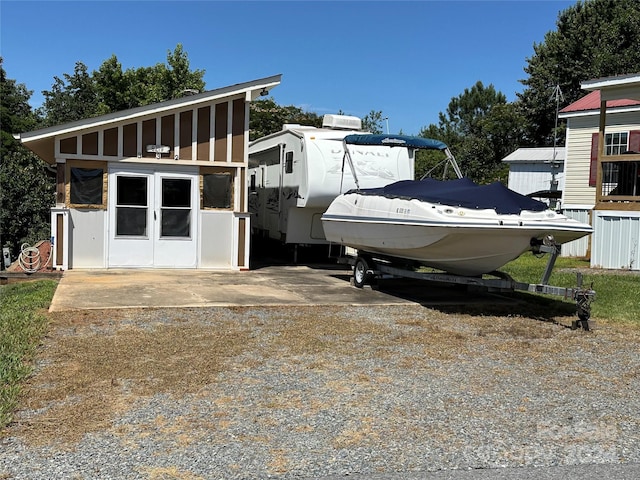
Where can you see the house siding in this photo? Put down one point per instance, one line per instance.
(578, 147)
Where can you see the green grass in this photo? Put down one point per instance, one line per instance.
(22, 325)
(617, 294)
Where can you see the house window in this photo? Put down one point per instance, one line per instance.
(217, 190)
(616, 143)
(86, 184)
(620, 178)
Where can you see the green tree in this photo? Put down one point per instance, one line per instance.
(26, 188)
(480, 128)
(110, 89)
(372, 122)
(71, 98)
(593, 39)
(267, 117)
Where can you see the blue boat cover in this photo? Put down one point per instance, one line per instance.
(462, 192)
(395, 141)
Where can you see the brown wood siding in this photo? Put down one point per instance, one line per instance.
(241, 241)
(220, 147)
(167, 133)
(60, 189)
(90, 144)
(186, 126)
(110, 140)
(237, 142)
(69, 145)
(130, 140)
(204, 129)
(59, 239)
(148, 137)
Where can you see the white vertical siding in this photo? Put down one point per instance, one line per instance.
(577, 248)
(529, 177)
(616, 240)
(88, 237)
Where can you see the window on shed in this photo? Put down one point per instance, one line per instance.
(87, 185)
(217, 190)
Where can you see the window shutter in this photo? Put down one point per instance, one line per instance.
(634, 141)
(593, 168)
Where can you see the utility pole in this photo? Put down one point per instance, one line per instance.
(557, 93)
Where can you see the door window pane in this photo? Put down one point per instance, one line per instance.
(132, 191)
(175, 223)
(176, 192)
(175, 211)
(131, 208)
(131, 221)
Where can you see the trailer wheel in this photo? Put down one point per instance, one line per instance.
(360, 275)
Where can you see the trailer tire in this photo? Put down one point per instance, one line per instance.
(360, 273)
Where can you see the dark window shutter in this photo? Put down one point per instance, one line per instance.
(634, 141)
(593, 168)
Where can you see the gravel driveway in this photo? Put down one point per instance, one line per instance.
(306, 392)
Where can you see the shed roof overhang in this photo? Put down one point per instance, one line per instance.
(42, 142)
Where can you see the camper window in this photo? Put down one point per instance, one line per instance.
(289, 163)
(217, 190)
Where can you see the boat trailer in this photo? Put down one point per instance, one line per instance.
(368, 266)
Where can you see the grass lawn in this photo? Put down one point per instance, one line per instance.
(617, 293)
(23, 322)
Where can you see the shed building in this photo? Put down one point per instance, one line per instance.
(159, 186)
(533, 170)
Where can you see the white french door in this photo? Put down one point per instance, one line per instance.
(153, 217)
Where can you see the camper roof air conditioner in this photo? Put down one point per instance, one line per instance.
(341, 122)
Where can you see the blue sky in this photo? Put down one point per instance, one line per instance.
(406, 59)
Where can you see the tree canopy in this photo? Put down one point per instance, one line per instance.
(110, 89)
(26, 189)
(593, 39)
(481, 128)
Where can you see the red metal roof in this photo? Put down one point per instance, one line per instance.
(591, 101)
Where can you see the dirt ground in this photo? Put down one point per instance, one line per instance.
(94, 365)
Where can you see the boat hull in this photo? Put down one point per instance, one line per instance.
(457, 240)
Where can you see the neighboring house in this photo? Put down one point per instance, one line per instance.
(532, 171)
(602, 168)
(162, 185)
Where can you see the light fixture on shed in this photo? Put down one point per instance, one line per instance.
(264, 92)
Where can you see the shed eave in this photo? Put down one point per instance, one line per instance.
(253, 88)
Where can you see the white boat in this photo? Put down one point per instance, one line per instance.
(452, 225)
